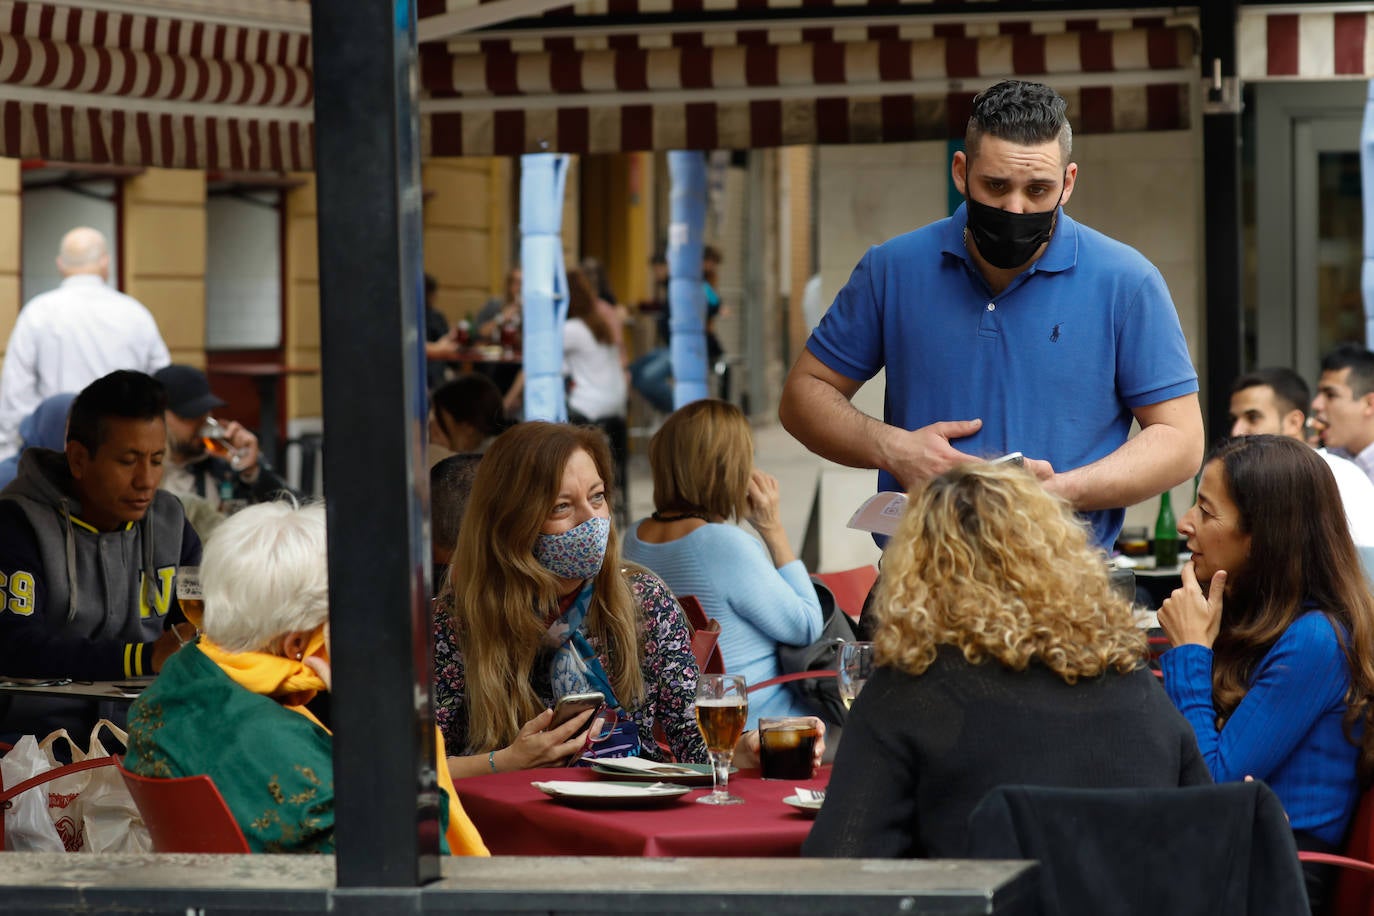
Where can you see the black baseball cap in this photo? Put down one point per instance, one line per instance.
(188, 391)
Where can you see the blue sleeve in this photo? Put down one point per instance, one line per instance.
(1300, 678)
(849, 339)
(29, 645)
(780, 602)
(1153, 364)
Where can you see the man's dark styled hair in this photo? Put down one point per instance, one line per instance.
(1290, 391)
(473, 399)
(121, 395)
(1358, 360)
(1019, 112)
(450, 484)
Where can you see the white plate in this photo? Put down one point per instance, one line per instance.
(602, 794)
(810, 807)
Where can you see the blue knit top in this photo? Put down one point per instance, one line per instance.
(1287, 730)
(757, 606)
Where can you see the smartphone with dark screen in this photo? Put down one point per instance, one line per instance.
(573, 704)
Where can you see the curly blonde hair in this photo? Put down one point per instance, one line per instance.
(987, 561)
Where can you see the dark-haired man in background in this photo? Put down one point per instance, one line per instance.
(1274, 402)
(1344, 406)
(89, 545)
(1007, 327)
(200, 478)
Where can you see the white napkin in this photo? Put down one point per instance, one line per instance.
(640, 765)
(599, 789)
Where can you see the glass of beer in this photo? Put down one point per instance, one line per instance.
(216, 439)
(189, 595)
(722, 708)
(787, 746)
(856, 664)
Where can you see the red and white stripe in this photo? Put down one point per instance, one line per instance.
(96, 85)
(37, 130)
(745, 124)
(1315, 41)
(568, 72)
(908, 27)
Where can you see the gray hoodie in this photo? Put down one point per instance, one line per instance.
(97, 599)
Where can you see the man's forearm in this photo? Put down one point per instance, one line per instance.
(1158, 458)
(822, 418)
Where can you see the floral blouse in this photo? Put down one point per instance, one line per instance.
(670, 675)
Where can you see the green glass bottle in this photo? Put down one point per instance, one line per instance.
(1166, 534)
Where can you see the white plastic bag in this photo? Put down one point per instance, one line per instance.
(111, 819)
(87, 811)
(27, 825)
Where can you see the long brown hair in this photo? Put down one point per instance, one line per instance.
(986, 561)
(501, 594)
(582, 304)
(1301, 557)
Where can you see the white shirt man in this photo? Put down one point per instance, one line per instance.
(67, 338)
(1272, 401)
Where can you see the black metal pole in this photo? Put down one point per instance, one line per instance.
(371, 317)
(1221, 176)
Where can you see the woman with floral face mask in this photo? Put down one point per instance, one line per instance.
(541, 606)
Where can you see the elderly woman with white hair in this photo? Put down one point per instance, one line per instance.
(231, 705)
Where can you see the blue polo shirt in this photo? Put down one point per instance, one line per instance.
(1054, 364)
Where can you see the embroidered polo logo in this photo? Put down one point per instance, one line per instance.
(1054, 334)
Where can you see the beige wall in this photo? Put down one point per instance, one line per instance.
(302, 302)
(1142, 188)
(163, 235)
(10, 252)
(466, 224)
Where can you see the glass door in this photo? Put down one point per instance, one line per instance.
(1309, 222)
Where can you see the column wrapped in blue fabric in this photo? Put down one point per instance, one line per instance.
(544, 283)
(686, 298)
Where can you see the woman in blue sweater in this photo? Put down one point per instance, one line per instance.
(1273, 634)
(704, 476)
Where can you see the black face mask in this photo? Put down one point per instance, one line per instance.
(1008, 240)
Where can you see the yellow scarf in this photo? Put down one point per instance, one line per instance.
(289, 681)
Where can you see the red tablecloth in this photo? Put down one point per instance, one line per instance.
(515, 818)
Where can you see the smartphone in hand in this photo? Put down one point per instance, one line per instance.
(572, 705)
(1015, 458)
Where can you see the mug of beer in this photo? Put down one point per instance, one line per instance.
(787, 745)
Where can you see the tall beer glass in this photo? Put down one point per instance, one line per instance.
(856, 664)
(722, 708)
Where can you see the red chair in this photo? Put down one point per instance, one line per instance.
(850, 587)
(1354, 892)
(185, 814)
(705, 636)
(7, 795)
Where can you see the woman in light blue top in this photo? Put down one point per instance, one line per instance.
(704, 477)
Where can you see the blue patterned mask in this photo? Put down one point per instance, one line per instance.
(577, 553)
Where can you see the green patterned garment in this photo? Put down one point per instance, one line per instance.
(273, 766)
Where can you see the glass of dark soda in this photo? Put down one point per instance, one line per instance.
(787, 745)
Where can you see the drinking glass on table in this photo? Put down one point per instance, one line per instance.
(216, 439)
(856, 664)
(722, 708)
(189, 595)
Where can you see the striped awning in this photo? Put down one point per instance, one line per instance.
(188, 88)
(789, 83)
(226, 84)
(1310, 41)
